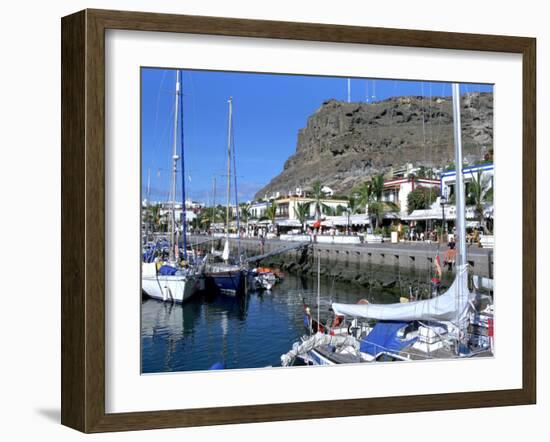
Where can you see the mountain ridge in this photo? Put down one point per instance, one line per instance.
(343, 144)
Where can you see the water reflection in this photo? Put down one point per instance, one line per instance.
(246, 332)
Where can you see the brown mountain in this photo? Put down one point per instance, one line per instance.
(345, 143)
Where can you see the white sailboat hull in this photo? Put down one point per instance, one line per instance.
(176, 288)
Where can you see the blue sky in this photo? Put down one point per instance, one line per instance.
(268, 111)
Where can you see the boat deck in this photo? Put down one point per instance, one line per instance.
(410, 353)
(337, 358)
(415, 355)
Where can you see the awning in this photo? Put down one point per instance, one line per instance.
(289, 223)
(450, 213)
(354, 220)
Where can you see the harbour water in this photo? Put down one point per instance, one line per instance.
(252, 331)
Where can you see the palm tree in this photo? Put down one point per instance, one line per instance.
(246, 214)
(376, 210)
(301, 210)
(377, 184)
(318, 196)
(376, 207)
(354, 205)
(152, 218)
(369, 195)
(271, 213)
(363, 194)
(478, 194)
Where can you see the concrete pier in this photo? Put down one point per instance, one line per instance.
(409, 256)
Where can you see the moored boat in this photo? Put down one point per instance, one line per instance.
(453, 324)
(173, 279)
(168, 283)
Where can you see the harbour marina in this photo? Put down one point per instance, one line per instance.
(393, 265)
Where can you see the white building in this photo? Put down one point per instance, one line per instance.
(258, 209)
(397, 191)
(485, 171)
(286, 207)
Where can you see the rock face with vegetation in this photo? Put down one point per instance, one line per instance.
(343, 144)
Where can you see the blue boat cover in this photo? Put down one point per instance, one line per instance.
(218, 366)
(149, 256)
(167, 270)
(383, 337)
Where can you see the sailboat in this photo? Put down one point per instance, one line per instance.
(173, 280)
(433, 328)
(226, 276)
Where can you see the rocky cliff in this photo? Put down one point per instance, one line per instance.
(345, 143)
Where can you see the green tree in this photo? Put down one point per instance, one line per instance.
(354, 205)
(449, 167)
(425, 172)
(152, 218)
(369, 194)
(421, 198)
(478, 193)
(363, 195)
(377, 184)
(301, 211)
(245, 214)
(271, 213)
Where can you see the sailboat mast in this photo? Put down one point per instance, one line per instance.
(148, 184)
(213, 226)
(460, 197)
(175, 159)
(183, 204)
(230, 101)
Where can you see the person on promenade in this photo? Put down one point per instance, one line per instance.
(450, 255)
(262, 244)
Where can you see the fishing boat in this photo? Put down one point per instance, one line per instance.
(224, 273)
(173, 279)
(452, 324)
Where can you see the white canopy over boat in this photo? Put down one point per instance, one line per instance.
(452, 306)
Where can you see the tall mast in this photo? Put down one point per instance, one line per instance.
(213, 210)
(148, 204)
(183, 204)
(230, 101)
(460, 198)
(237, 214)
(461, 282)
(148, 184)
(175, 159)
(349, 90)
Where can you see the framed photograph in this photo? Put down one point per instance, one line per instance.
(267, 221)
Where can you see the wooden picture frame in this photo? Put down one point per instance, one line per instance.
(83, 219)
